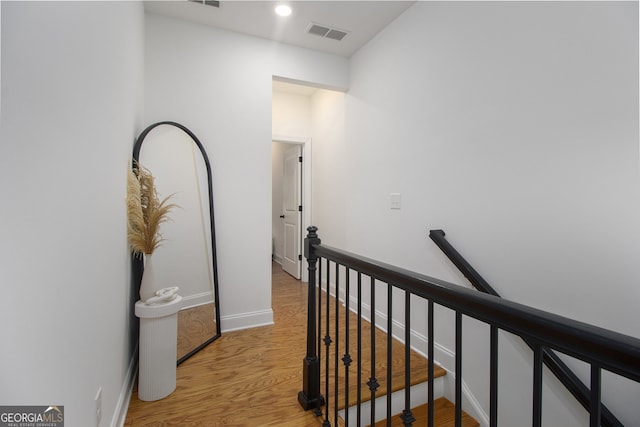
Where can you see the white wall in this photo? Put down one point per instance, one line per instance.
(71, 109)
(291, 114)
(330, 166)
(219, 84)
(513, 127)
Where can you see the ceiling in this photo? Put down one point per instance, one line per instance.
(361, 19)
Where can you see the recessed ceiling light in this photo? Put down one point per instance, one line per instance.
(283, 10)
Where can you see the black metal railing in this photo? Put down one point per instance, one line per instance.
(600, 348)
(566, 376)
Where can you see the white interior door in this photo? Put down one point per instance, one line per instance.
(292, 210)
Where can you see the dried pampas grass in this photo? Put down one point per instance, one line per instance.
(145, 211)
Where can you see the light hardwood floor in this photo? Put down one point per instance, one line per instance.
(252, 377)
(245, 378)
(195, 326)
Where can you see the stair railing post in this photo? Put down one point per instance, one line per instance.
(309, 397)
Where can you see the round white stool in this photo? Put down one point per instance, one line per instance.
(158, 342)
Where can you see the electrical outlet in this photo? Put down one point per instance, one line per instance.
(98, 401)
(396, 200)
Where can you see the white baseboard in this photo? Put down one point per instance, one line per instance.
(277, 258)
(195, 300)
(120, 413)
(246, 320)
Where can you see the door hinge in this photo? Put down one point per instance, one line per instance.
(299, 257)
(300, 208)
(300, 159)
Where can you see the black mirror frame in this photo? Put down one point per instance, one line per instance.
(138, 266)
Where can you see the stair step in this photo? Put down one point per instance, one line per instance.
(418, 363)
(418, 369)
(418, 397)
(418, 376)
(444, 415)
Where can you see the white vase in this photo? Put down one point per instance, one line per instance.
(148, 285)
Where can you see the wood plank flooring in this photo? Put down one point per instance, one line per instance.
(245, 378)
(252, 377)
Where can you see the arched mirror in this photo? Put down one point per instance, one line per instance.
(187, 257)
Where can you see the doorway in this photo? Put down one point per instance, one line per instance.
(291, 202)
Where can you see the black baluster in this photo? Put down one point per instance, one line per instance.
(430, 368)
(318, 411)
(407, 416)
(537, 385)
(458, 369)
(493, 378)
(596, 407)
(389, 348)
(359, 373)
(346, 359)
(373, 381)
(336, 385)
(327, 344)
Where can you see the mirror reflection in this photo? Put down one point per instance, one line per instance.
(187, 257)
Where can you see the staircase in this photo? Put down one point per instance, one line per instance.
(347, 390)
(443, 415)
(330, 342)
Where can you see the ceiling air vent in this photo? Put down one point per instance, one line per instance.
(213, 3)
(326, 32)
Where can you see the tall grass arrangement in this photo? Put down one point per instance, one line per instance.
(145, 211)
